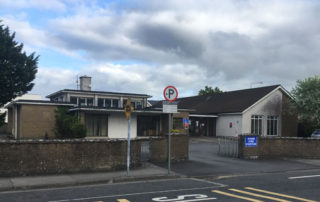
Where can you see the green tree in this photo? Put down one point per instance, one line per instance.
(68, 125)
(307, 101)
(209, 90)
(17, 69)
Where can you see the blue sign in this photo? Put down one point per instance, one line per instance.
(251, 141)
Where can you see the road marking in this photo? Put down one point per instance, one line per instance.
(236, 196)
(259, 195)
(301, 177)
(181, 198)
(139, 193)
(278, 194)
(122, 200)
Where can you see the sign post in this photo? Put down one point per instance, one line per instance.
(127, 110)
(170, 93)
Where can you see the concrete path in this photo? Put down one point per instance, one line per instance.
(146, 172)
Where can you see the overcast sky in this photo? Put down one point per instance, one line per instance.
(142, 46)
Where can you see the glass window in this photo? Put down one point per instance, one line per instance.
(115, 103)
(90, 101)
(107, 103)
(74, 100)
(96, 125)
(82, 101)
(138, 105)
(177, 123)
(272, 125)
(133, 104)
(124, 102)
(256, 124)
(100, 102)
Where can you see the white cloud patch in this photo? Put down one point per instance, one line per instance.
(229, 44)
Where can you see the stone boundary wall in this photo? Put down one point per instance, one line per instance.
(179, 148)
(31, 157)
(280, 147)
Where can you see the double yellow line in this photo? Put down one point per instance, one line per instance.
(260, 195)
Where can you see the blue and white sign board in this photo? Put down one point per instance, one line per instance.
(251, 141)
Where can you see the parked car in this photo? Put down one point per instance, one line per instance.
(316, 134)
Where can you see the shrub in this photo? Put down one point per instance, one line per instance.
(68, 125)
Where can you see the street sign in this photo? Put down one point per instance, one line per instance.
(251, 141)
(128, 108)
(170, 93)
(169, 107)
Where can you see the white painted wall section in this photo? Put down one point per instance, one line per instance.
(269, 106)
(118, 126)
(223, 125)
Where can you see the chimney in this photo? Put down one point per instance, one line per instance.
(85, 83)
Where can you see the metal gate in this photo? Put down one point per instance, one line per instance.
(145, 150)
(228, 146)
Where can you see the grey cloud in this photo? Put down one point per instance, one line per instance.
(171, 40)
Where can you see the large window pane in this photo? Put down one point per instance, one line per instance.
(115, 103)
(73, 100)
(272, 127)
(100, 102)
(256, 124)
(107, 103)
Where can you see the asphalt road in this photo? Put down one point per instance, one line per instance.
(209, 177)
(288, 186)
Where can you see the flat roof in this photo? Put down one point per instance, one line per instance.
(96, 92)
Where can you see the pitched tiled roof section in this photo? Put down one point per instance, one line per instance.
(227, 102)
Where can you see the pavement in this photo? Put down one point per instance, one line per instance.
(146, 172)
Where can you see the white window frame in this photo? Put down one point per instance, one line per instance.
(275, 126)
(254, 128)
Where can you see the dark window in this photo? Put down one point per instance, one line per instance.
(89, 101)
(115, 103)
(124, 102)
(74, 100)
(82, 101)
(272, 125)
(107, 103)
(138, 105)
(100, 102)
(133, 104)
(177, 123)
(96, 125)
(256, 124)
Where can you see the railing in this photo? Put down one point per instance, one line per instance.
(228, 146)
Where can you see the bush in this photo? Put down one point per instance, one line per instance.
(68, 125)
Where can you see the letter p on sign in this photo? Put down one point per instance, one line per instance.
(170, 93)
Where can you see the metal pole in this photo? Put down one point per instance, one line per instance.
(169, 144)
(128, 148)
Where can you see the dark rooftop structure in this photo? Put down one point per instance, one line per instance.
(226, 102)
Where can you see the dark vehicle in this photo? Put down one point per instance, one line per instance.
(316, 133)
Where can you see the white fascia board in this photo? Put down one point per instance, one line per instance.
(202, 115)
(39, 103)
(114, 110)
(230, 114)
(263, 98)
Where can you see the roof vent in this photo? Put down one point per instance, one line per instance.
(85, 83)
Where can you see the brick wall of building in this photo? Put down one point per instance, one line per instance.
(35, 121)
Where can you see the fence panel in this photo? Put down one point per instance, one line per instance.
(146, 150)
(228, 146)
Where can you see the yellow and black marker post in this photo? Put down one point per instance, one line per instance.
(127, 110)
